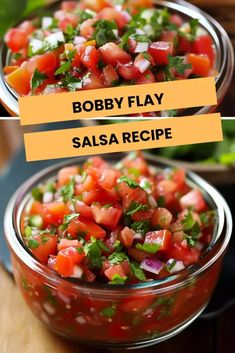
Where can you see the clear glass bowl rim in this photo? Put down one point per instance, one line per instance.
(224, 61)
(174, 282)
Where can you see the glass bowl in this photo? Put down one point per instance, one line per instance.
(117, 316)
(224, 64)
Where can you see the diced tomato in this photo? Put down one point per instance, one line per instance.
(69, 5)
(176, 20)
(193, 199)
(83, 210)
(45, 63)
(16, 39)
(55, 212)
(9, 69)
(127, 236)
(161, 218)
(90, 57)
(200, 64)
(111, 14)
(132, 44)
(184, 45)
(204, 45)
(64, 264)
(161, 237)
(66, 243)
(188, 255)
(142, 215)
(87, 28)
(95, 5)
(137, 254)
(178, 177)
(106, 178)
(136, 304)
(89, 183)
(137, 195)
(114, 270)
(160, 52)
(96, 162)
(108, 216)
(46, 245)
(85, 229)
(66, 174)
(169, 36)
(93, 80)
(19, 80)
(112, 54)
(128, 71)
(138, 163)
(166, 186)
(135, 4)
(110, 75)
(27, 26)
(146, 77)
(87, 275)
(70, 20)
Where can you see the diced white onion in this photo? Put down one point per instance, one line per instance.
(36, 45)
(79, 40)
(142, 65)
(138, 236)
(141, 47)
(78, 179)
(178, 266)
(47, 22)
(77, 272)
(185, 28)
(90, 12)
(115, 32)
(147, 14)
(139, 31)
(80, 319)
(148, 29)
(55, 38)
(152, 201)
(47, 197)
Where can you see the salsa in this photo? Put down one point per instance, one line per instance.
(117, 224)
(95, 44)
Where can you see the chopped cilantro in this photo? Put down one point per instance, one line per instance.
(104, 32)
(117, 257)
(37, 194)
(33, 244)
(102, 245)
(28, 231)
(161, 201)
(188, 221)
(107, 205)
(194, 22)
(137, 271)
(93, 255)
(71, 82)
(44, 239)
(134, 171)
(67, 219)
(109, 311)
(37, 79)
(67, 191)
(65, 66)
(178, 64)
(131, 183)
(135, 207)
(207, 218)
(141, 226)
(35, 221)
(117, 279)
(151, 248)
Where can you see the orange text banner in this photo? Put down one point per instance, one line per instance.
(116, 101)
(122, 137)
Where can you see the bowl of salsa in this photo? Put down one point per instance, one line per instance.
(120, 251)
(98, 44)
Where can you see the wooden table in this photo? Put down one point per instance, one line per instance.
(21, 332)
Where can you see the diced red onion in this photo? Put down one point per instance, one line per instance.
(77, 272)
(152, 265)
(47, 197)
(79, 40)
(178, 266)
(141, 47)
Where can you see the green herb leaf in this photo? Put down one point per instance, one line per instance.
(37, 79)
(194, 23)
(28, 231)
(188, 221)
(131, 183)
(93, 255)
(117, 279)
(117, 257)
(102, 245)
(148, 247)
(37, 194)
(135, 207)
(109, 311)
(67, 191)
(35, 221)
(33, 244)
(67, 219)
(104, 32)
(141, 226)
(137, 271)
(66, 65)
